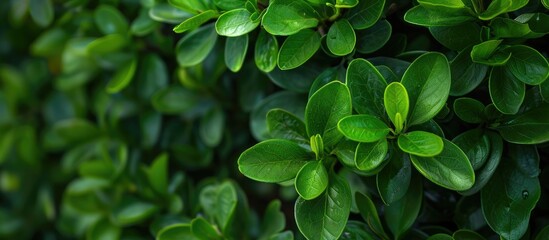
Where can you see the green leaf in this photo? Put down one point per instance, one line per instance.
(373, 38)
(357, 230)
(487, 170)
(297, 79)
(50, 43)
(229, 4)
(369, 213)
(450, 169)
(440, 236)
(195, 21)
(341, 38)
(273, 160)
(317, 146)
(427, 81)
(400, 215)
(157, 174)
(367, 86)
(508, 28)
(311, 180)
(285, 125)
(103, 229)
(443, 3)
(131, 211)
(544, 90)
(396, 104)
(507, 92)
(369, 156)
(545, 3)
(465, 234)
(109, 20)
(510, 196)
(466, 74)
(204, 230)
(143, 24)
(212, 126)
(365, 14)
(107, 44)
(235, 23)
(420, 143)
(173, 100)
(486, 53)
(274, 220)
(363, 128)
(176, 231)
(469, 110)
(298, 48)
(266, 51)
(475, 145)
(196, 45)
(457, 37)
(42, 12)
(122, 77)
(193, 5)
(287, 17)
(393, 181)
(544, 233)
(495, 8)
(441, 16)
(527, 65)
(531, 127)
(162, 12)
(235, 52)
(325, 217)
(325, 108)
(289, 101)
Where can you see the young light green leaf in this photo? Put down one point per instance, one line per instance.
(420, 143)
(531, 127)
(109, 20)
(450, 169)
(527, 65)
(373, 38)
(195, 21)
(203, 230)
(341, 38)
(274, 160)
(393, 181)
(466, 74)
(196, 45)
(311, 180)
(369, 156)
(325, 108)
(363, 128)
(469, 110)
(235, 23)
(317, 146)
(495, 8)
(400, 215)
(287, 17)
(365, 14)
(369, 213)
(325, 217)
(42, 12)
(507, 92)
(367, 86)
(396, 104)
(235, 52)
(298, 48)
(122, 77)
(427, 81)
(266, 51)
(510, 196)
(285, 125)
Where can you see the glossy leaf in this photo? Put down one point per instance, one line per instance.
(508, 28)
(427, 81)
(311, 180)
(341, 38)
(373, 38)
(195, 21)
(393, 181)
(466, 74)
(176, 231)
(495, 8)
(369, 156)
(469, 110)
(157, 174)
(527, 65)
(266, 51)
(325, 108)
(285, 125)
(457, 37)
(420, 143)
(287, 17)
(396, 104)
(289, 101)
(450, 169)
(298, 48)
(400, 215)
(475, 145)
(507, 92)
(325, 217)
(487, 53)
(235, 23)
(509, 197)
(442, 16)
(367, 86)
(530, 127)
(273, 160)
(122, 77)
(166, 13)
(196, 45)
(365, 14)
(369, 213)
(363, 128)
(235, 52)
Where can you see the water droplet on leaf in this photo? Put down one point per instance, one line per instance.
(525, 194)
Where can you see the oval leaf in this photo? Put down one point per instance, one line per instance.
(369, 156)
(122, 77)
(531, 127)
(420, 143)
(235, 23)
(311, 180)
(396, 102)
(235, 52)
(287, 17)
(195, 21)
(195, 46)
(507, 92)
(298, 48)
(341, 38)
(363, 128)
(367, 86)
(266, 51)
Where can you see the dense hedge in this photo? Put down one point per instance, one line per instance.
(281, 119)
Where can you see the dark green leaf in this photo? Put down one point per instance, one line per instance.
(175, 100)
(465, 234)
(365, 14)
(229, 4)
(266, 51)
(369, 213)
(107, 44)
(544, 90)
(507, 92)
(195, 21)
(131, 211)
(400, 215)
(531, 127)
(457, 37)
(311, 180)
(274, 220)
(373, 38)
(369, 156)
(427, 81)
(287, 17)
(289, 101)
(50, 42)
(440, 236)
(508, 28)
(143, 24)
(393, 181)
(298, 79)
(325, 217)
(367, 86)
(475, 145)
(196, 45)
(527, 65)
(157, 174)
(176, 231)
(487, 53)
(235, 23)
(363, 128)
(466, 74)
(285, 125)
(122, 77)
(544, 233)
(273, 160)
(325, 108)
(341, 38)
(298, 48)
(203, 230)
(212, 126)
(450, 169)
(469, 110)
(109, 20)
(235, 52)
(442, 3)
(41, 11)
